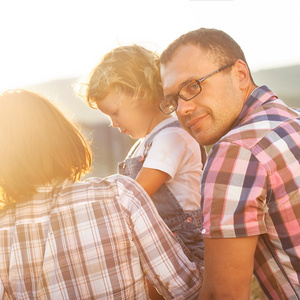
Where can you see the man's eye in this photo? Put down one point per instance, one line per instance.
(193, 88)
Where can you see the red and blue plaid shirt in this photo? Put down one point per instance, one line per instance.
(251, 186)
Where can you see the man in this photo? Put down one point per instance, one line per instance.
(250, 184)
(61, 238)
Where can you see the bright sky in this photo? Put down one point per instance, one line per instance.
(42, 40)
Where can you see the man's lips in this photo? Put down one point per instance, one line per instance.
(195, 122)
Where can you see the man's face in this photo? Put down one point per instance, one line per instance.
(209, 115)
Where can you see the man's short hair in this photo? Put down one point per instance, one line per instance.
(217, 44)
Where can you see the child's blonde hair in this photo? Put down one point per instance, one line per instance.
(38, 145)
(129, 69)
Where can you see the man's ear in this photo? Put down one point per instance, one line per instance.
(242, 74)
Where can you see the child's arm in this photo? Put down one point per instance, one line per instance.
(151, 179)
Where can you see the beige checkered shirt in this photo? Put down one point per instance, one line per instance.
(95, 239)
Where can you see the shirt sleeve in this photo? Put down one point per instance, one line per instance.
(233, 193)
(168, 150)
(162, 258)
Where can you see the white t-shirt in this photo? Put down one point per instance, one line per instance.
(175, 152)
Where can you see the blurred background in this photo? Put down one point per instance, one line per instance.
(48, 45)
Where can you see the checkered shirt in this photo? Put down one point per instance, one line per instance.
(251, 186)
(96, 239)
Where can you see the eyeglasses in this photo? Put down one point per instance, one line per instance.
(189, 91)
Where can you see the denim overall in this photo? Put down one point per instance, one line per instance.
(186, 226)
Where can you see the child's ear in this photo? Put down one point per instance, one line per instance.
(242, 74)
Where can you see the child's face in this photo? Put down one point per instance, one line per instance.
(124, 113)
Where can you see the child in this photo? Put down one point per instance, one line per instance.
(166, 161)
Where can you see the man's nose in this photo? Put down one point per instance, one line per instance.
(185, 107)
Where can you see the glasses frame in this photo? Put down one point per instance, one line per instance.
(198, 81)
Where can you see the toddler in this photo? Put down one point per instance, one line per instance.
(166, 161)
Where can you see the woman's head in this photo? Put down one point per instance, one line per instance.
(38, 145)
(132, 70)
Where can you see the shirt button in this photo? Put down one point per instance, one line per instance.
(189, 219)
(203, 231)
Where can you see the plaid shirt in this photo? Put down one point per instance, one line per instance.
(251, 186)
(95, 239)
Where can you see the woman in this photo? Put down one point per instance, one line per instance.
(61, 238)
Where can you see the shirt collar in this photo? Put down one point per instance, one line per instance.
(48, 187)
(258, 97)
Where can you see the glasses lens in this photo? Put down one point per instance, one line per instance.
(168, 105)
(190, 90)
